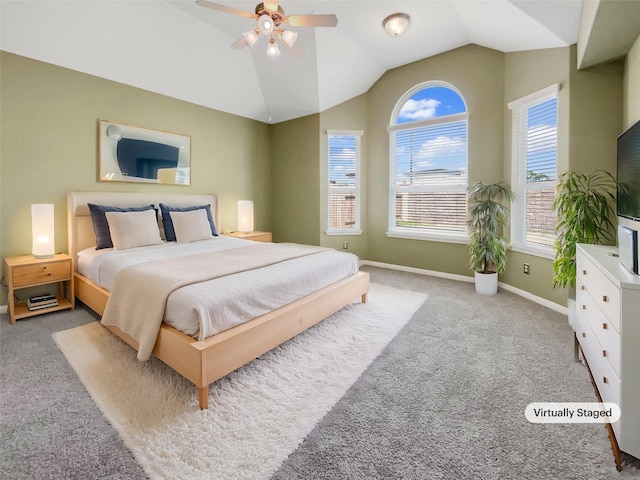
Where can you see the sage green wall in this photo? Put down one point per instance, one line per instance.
(49, 124)
(478, 73)
(596, 116)
(296, 180)
(526, 73)
(631, 88)
(351, 115)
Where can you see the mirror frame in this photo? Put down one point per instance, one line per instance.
(110, 133)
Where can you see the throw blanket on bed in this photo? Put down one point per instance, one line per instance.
(139, 295)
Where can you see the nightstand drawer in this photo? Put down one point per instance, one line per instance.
(35, 274)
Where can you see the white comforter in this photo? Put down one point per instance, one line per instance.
(204, 309)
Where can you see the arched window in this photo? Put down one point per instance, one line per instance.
(428, 164)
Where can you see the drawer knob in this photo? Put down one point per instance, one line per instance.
(584, 334)
(605, 380)
(605, 298)
(582, 287)
(604, 353)
(584, 307)
(584, 272)
(604, 326)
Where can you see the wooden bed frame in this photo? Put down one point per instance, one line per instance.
(204, 362)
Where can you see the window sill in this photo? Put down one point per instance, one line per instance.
(543, 252)
(343, 232)
(431, 237)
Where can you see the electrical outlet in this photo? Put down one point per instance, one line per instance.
(345, 245)
(526, 269)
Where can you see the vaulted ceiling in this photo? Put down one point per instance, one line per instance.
(182, 50)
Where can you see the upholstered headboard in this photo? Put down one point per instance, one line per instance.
(80, 228)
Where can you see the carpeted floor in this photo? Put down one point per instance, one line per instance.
(258, 414)
(444, 400)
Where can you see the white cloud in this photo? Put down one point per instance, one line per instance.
(439, 147)
(415, 110)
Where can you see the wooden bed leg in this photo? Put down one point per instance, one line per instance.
(203, 397)
(364, 297)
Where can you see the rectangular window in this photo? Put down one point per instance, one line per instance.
(344, 182)
(534, 170)
(429, 179)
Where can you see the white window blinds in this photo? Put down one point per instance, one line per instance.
(430, 178)
(535, 120)
(344, 182)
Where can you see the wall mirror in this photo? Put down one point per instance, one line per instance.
(134, 154)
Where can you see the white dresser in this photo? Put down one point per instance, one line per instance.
(607, 326)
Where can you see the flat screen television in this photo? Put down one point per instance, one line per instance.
(628, 203)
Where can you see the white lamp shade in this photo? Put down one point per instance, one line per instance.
(245, 216)
(289, 38)
(272, 49)
(251, 37)
(42, 230)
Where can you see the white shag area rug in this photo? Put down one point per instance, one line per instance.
(257, 415)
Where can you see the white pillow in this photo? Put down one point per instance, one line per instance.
(191, 226)
(133, 229)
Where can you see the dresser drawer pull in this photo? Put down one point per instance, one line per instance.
(605, 298)
(604, 353)
(582, 287)
(604, 326)
(584, 334)
(584, 307)
(584, 272)
(605, 380)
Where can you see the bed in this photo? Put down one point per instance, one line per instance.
(202, 359)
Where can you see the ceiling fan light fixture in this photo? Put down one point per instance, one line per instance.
(272, 48)
(251, 37)
(396, 24)
(266, 24)
(289, 38)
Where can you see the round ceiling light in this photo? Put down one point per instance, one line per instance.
(396, 24)
(265, 24)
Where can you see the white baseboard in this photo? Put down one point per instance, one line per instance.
(4, 309)
(463, 278)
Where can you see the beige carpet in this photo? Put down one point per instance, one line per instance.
(257, 415)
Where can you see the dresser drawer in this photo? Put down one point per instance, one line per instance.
(605, 377)
(605, 294)
(607, 336)
(33, 274)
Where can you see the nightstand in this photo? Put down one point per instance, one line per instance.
(27, 271)
(255, 236)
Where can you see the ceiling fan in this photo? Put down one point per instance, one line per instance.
(271, 22)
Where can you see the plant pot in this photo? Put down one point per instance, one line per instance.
(486, 283)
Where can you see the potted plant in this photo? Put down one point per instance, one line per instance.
(487, 249)
(584, 204)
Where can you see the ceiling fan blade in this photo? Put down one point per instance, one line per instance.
(241, 43)
(224, 8)
(271, 5)
(311, 20)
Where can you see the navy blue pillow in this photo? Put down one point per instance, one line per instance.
(169, 232)
(100, 224)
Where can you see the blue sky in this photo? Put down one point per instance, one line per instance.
(437, 147)
(430, 103)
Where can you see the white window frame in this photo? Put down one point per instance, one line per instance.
(519, 184)
(411, 233)
(357, 134)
